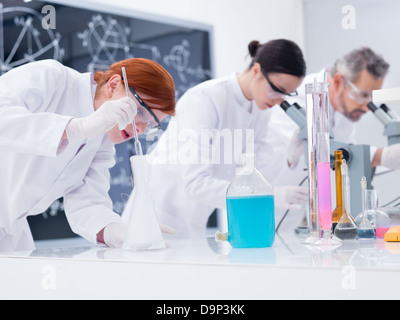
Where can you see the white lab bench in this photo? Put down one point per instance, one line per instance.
(205, 270)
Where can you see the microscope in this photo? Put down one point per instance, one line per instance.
(385, 115)
(357, 156)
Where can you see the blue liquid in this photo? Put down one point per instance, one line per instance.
(366, 234)
(251, 221)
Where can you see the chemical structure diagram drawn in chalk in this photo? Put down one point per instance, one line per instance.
(30, 35)
(106, 40)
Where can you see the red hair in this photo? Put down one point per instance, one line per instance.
(146, 77)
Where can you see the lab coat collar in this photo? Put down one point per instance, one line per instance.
(239, 96)
(88, 91)
(93, 85)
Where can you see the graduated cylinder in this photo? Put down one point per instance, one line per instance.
(319, 158)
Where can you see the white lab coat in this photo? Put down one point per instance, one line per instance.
(36, 102)
(186, 192)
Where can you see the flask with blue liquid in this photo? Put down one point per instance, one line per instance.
(250, 208)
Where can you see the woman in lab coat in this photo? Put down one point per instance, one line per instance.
(191, 169)
(58, 128)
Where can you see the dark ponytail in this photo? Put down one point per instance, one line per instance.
(278, 56)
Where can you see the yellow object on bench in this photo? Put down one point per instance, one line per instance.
(393, 235)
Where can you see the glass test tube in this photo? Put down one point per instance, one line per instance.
(319, 154)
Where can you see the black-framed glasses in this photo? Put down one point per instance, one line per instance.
(277, 90)
(150, 127)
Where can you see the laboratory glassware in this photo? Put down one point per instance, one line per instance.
(365, 229)
(250, 208)
(312, 217)
(386, 218)
(370, 201)
(337, 213)
(346, 228)
(143, 232)
(318, 129)
(138, 146)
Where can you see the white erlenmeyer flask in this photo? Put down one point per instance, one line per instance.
(143, 230)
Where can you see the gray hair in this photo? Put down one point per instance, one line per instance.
(352, 64)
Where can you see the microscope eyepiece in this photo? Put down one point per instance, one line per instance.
(297, 106)
(385, 108)
(372, 107)
(285, 105)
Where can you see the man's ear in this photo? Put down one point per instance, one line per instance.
(338, 82)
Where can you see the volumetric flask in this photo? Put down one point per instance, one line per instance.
(337, 213)
(370, 200)
(370, 205)
(346, 228)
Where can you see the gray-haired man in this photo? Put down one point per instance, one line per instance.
(352, 80)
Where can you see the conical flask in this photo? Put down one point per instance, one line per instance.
(250, 208)
(143, 229)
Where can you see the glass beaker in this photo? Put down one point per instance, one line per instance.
(250, 209)
(386, 218)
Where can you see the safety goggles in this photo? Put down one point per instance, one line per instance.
(274, 92)
(357, 95)
(146, 116)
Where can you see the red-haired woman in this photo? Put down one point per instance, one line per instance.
(58, 128)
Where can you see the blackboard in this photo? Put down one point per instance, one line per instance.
(88, 38)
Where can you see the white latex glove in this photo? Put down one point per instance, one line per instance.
(391, 157)
(291, 197)
(115, 234)
(295, 150)
(114, 112)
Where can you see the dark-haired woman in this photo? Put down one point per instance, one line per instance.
(216, 122)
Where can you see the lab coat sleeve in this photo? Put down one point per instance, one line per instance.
(197, 115)
(89, 207)
(28, 122)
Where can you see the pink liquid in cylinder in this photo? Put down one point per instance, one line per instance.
(324, 195)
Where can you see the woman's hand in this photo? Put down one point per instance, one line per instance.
(115, 233)
(120, 112)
